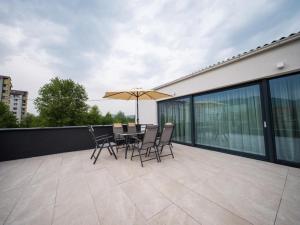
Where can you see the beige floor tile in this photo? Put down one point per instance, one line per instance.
(147, 199)
(255, 205)
(80, 213)
(207, 212)
(126, 170)
(171, 189)
(71, 164)
(8, 200)
(72, 190)
(100, 183)
(172, 216)
(294, 171)
(49, 169)
(288, 213)
(116, 208)
(292, 189)
(26, 213)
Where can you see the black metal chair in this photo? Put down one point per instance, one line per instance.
(101, 142)
(146, 144)
(131, 128)
(119, 140)
(165, 140)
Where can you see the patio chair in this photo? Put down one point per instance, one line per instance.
(146, 144)
(131, 128)
(119, 140)
(165, 139)
(101, 142)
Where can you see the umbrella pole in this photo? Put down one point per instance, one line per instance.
(137, 110)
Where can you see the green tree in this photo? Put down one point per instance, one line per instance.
(120, 117)
(94, 116)
(62, 102)
(107, 119)
(31, 120)
(7, 118)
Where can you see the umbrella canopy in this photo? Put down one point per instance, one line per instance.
(136, 94)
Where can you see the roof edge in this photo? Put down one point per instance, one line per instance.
(251, 52)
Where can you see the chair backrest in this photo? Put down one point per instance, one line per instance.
(166, 135)
(117, 130)
(131, 128)
(150, 136)
(92, 133)
(143, 127)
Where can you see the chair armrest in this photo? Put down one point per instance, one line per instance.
(103, 135)
(103, 138)
(136, 139)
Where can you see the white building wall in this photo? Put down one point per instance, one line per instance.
(16, 105)
(255, 67)
(1, 88)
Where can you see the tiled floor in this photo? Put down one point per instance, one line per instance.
(197, 187)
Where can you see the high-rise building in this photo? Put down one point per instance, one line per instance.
(18, 103)
(5, 89)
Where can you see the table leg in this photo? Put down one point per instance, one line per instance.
(127, 146)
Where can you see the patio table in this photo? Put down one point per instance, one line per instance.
(127, 136)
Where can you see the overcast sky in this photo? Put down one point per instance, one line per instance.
(107, 45)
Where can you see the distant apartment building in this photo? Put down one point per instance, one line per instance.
(18, 103)
(5, 89)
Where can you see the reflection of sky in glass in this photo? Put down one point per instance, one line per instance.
(286, 88)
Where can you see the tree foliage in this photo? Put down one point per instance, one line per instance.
(107, 119)
(94, 116)
(7, 118)
(30, 120)
(62, 102)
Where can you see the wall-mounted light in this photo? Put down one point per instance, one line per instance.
(280, 65)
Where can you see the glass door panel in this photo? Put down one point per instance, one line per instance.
(177, 111)
(230, 119)
(285, 100)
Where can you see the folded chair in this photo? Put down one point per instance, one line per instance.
(131, 129)
(146, 144)
(101, 142)
(165, 140)
(119, 140)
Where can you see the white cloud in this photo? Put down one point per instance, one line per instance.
(141, 44)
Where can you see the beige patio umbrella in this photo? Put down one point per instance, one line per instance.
(136, 94)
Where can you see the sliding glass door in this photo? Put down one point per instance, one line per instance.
(230, 120)
(285, 100)
(177, 111)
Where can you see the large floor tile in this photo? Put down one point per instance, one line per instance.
(8, 200)
(49, 169)
(207, 212)
(288, 213)
(125, 170)
(72, 190)
(292, 189)
(172, 216)
(100, 183)
(26, 213)
(116, 208)
(255, 205)
(148, 200)
(171, 189)
(80, 213)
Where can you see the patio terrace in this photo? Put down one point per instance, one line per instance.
(197, 187)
